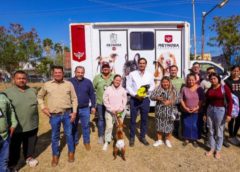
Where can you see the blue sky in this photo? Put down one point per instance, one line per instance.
(51, 18)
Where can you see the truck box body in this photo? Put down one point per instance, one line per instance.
(122, 43)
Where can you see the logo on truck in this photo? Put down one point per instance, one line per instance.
(113, 41)
(168, 38)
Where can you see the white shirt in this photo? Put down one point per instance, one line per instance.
(135, 80)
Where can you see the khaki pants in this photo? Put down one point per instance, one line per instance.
(109, 125)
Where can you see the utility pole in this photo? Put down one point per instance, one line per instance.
(194, 30)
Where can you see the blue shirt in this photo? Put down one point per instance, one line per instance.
(85, 92)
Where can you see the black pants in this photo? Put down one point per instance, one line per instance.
(233, 126)
(27, 140)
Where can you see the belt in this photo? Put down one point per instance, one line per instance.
(60, 113)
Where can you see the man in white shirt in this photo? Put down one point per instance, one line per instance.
(135, 81)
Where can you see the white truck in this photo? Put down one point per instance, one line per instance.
(122, 43)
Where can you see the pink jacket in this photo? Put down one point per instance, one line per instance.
(115, 99)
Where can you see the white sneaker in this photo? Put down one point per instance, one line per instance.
(105, 146)
(158, 143)
(100, 140)
(168, 143)
(233, 140)
(32, 162)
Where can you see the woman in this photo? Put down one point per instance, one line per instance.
(233, 82)
(216, 113)
(192, 96)
(115, 100)
(166, 97)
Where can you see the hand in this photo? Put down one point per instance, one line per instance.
(93, 111)
(46, 112)
(205, 118)
(11, 131)
(228, 118)
(159, 98)
(73, 117)
(167, 102)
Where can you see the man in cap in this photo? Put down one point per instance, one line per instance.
(100, 83)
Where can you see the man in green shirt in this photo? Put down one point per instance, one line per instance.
(100, 83)
(177, 82)
(24, 101)
(8, 124)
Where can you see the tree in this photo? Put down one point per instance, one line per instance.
(48, 46)
(228, 35)
(16, 46)
(45, 66)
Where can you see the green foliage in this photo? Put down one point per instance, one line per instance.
(44, 67)
(228, 35)
(17, 45)
(48, 46)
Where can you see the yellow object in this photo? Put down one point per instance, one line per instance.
(142, 92)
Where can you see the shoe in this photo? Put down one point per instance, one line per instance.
(195, 144)
(158, 143)
(100, 140)
(168, 143)
(131, 142)
(105, 146)
(185, 143)
(87, 146)
(55, 161)
(225, 143)
(233, 140)
(31, 162)
(71, 157)
(237, 140)
(144, 141)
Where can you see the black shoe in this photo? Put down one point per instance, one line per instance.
(226, 144)
(131, 142)
(195, 144)
(144, 141)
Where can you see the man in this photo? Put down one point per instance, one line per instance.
(196, 69)
(100, 83)
(177, 82)
(85, 92)
(24, 101)
(136, 80)
(8, 123)
(206, 84)
(60, 107)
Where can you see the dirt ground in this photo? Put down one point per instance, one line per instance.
(139, 158)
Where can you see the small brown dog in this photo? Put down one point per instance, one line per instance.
(119, 145)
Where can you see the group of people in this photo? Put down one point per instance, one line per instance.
(182, 107)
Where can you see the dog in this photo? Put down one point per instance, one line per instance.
(129, 66)
(110, 59)
(162, 65)
(119, 146)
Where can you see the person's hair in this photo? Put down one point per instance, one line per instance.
(234, 67)
(191, 74)
(215, 75)
(57, 67)
(19, 72)
(79, 67)
(196, 63)
(171, 89)
(210, 68)
(142, 58)
(170, 67)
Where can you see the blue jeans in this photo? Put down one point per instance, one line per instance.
(4, 154)
(55, 121)
(84, 116)
(216, 125)
(144, 107)
(101, 119)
